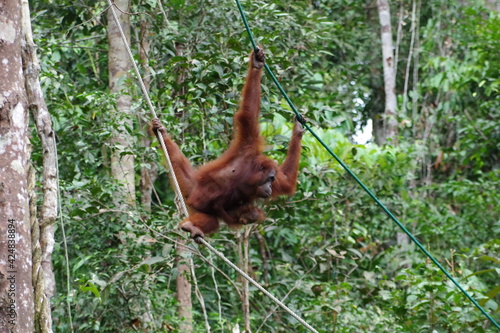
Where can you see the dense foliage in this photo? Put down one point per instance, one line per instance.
(329, 250)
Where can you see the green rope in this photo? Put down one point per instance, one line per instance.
(384, 208)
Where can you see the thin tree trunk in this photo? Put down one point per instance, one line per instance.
(390, 132)
(415, 73)
(243, 261)
(410, 54)
(122, 161)
(43, 275)
(399, 34)
(16, 289)
(149, 171)
(184, 288)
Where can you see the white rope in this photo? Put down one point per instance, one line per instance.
(179, 193)
(256, 284)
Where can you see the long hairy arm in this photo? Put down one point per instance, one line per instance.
(246, 120)
(286, 177)
(183, 169)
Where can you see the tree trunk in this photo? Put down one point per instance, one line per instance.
(244, 262)
(16, 289)
(390, 131)
(184, 288)
(149, 171)
(42, 230)
(390, 122)
(414, 111)
(122, 161)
